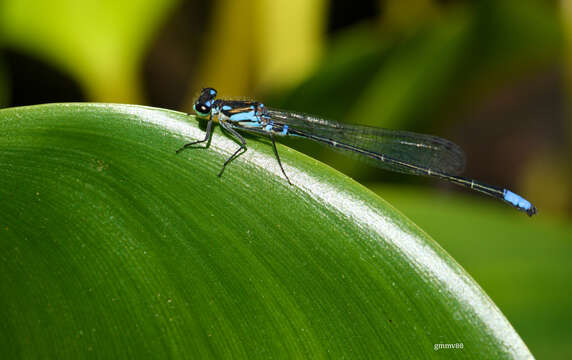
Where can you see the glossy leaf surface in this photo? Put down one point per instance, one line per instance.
(113, 245)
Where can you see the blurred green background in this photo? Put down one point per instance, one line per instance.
(493, 76)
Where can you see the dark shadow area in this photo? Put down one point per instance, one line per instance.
(31, 81)
(170, 63)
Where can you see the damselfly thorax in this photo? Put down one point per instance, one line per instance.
(248, 115)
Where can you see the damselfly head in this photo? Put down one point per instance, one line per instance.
(205, 102)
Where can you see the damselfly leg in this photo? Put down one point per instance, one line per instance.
(278, 158)
(241, 150)
(206, 139)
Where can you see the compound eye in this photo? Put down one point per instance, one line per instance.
(202, 108)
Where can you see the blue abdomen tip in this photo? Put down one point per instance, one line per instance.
(519, 202)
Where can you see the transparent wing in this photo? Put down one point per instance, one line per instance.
(424, 151)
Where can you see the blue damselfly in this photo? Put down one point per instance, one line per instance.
(399, 151)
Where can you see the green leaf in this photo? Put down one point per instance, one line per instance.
(522, 263)
(113, 245)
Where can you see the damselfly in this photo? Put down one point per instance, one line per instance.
(398, 151)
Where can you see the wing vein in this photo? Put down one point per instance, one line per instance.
(425, 151)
